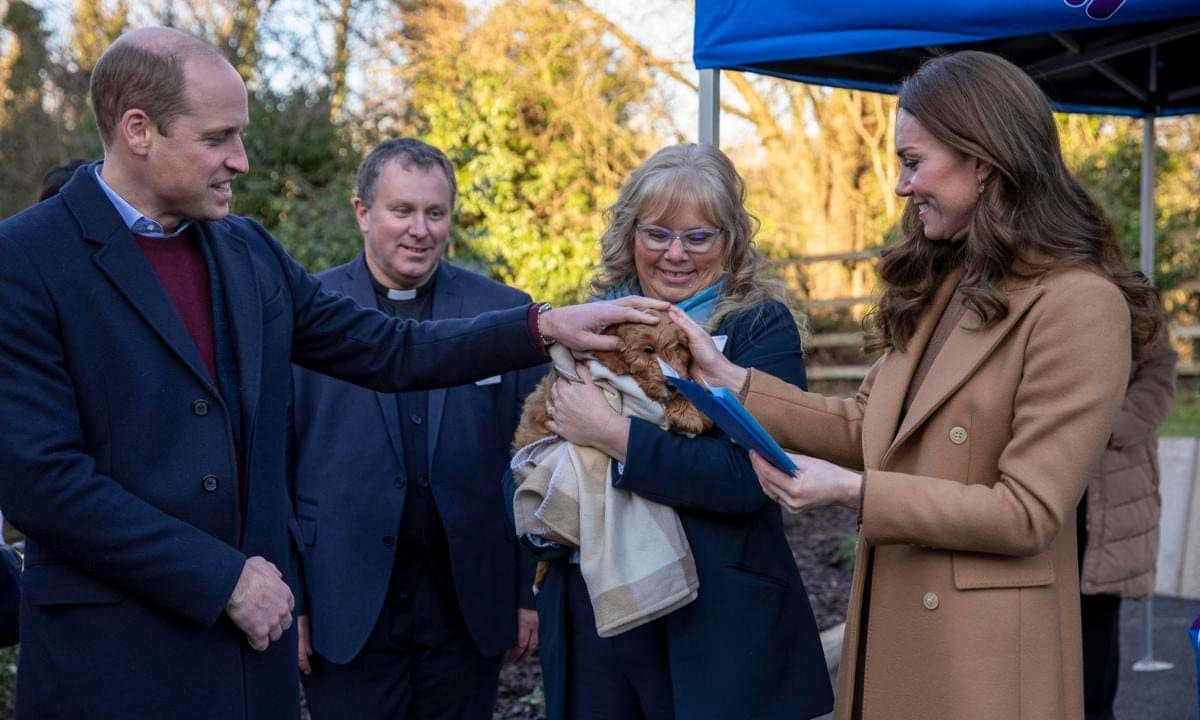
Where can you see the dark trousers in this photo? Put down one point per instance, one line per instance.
(627, 677)
(1101, 616)
(418, 664)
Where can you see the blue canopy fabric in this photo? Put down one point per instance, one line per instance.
(1089, 56)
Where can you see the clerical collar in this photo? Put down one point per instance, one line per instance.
(386, 293)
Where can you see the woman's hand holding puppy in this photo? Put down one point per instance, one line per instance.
(580, 413)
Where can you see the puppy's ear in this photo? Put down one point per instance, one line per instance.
(614, 360)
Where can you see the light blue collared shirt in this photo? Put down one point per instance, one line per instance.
(134, 220)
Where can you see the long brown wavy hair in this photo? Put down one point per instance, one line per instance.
(1032, 215)
(701, 176)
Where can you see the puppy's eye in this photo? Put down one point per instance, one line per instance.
(649, 349)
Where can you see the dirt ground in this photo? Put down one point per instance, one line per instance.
(822, 543)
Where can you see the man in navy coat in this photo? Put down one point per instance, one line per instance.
(146, 345)
(413, 580)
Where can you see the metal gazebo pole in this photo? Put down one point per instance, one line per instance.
(710, 107)
(1147, 663)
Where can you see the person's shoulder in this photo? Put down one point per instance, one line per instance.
(1078, 284)
(484, 287)
(768, 313)
(39, 227)
(337, 272)
(241, 226)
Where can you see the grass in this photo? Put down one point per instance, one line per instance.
(1184, 419)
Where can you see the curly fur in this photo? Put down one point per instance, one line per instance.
(642, 343)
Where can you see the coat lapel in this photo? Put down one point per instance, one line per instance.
(122, 261)
(895, 375)
(965, 350)
(447, 303)
(243, 306)
(358, 286)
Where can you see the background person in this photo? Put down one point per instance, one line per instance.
(58, 176)
(146, 347)
(1117, 523)
(748, 646)
(1007, 315)
(415, 585)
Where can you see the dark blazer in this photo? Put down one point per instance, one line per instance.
(747, 648)
(350, 481)
(120, 463)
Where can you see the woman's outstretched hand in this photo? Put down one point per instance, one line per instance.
(707, 360)
(815, 483)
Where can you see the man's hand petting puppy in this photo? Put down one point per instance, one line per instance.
(261, 603)
(580, 327)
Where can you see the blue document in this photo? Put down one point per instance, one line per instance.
(722, 407)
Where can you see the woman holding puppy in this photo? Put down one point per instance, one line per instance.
(1008, 320)
(747, 646)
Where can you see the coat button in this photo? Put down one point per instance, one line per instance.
(399, 483)
(958, 434)
(209, 482)
(200, 407)
(416, 419)
(388, 541)
(930, 601)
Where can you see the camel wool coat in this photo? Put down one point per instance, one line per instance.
(965, 598)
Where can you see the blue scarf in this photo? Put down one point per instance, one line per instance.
(699, 307)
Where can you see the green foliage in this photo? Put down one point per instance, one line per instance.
(534, 112)
(1184, 419)
(30, 138)
(1106, 156)
(301, 178)
(847, 550)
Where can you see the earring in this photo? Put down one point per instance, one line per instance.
(980, 188)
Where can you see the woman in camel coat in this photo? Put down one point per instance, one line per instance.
(1006, 321)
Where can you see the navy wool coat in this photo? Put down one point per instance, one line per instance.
(121, 465)
(351, 483)
(748, 647)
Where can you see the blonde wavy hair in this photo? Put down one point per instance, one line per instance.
(701, 177)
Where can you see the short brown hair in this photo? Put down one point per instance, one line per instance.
(409, 152)
(135, 75)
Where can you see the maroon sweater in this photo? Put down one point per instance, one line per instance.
(183, 273)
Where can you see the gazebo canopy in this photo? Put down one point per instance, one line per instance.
(1135, 57)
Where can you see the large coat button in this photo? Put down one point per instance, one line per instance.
(209, 482)
(200, 407)
(958, 434)
(930, 601)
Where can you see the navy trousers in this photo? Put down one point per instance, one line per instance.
(419, 663)
(626, 677)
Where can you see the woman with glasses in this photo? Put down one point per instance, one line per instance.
(748, 646)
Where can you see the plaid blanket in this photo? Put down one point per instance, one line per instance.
(633, 554)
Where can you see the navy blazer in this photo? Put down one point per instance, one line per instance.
(350, 483)
(120, 465)
(748, 647)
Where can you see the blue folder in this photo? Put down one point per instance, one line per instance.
(722, 407)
